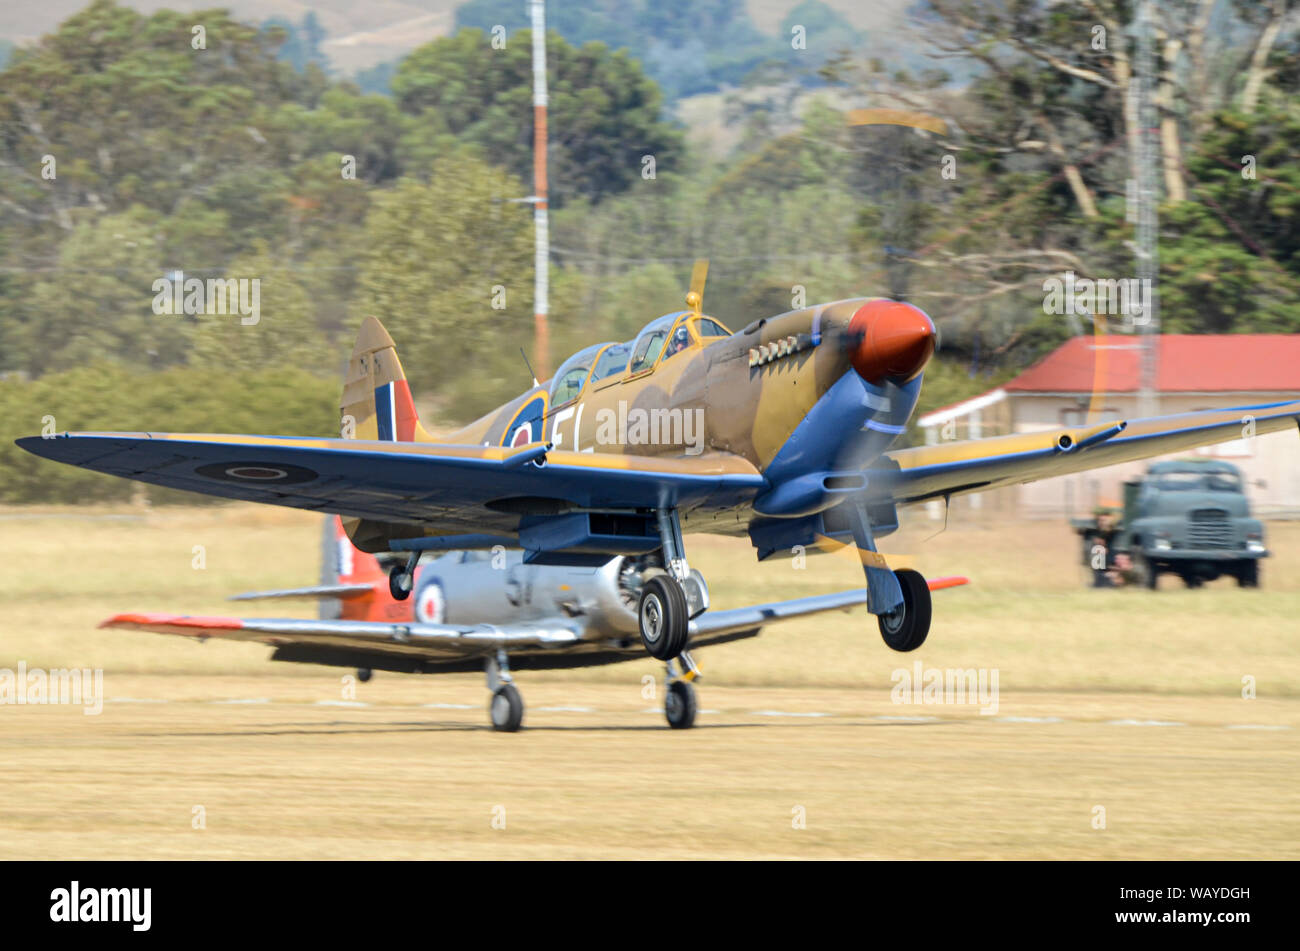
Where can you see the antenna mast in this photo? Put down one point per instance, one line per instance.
(541, 254)
(1148, 194)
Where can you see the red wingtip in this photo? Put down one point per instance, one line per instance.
(174, 620)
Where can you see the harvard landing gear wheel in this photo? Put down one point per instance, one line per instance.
(679, 705)
(662, 617)
(400, 582)
(906, 628)
(506, 709)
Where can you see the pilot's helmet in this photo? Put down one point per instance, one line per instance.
(681, 339)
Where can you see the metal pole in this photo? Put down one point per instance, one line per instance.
(541, 256)
(1148, 247)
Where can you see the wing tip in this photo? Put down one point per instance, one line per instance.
(144, 620)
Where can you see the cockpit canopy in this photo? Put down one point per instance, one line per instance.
(662, 338)
(572, 375)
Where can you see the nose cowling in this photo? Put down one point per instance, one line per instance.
(889, 339)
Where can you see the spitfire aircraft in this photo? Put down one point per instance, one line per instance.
(471, 606)
(792, 421)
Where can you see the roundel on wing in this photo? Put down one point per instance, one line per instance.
(276, 473)
(431, 605)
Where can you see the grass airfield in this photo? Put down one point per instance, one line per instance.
(1126, 700)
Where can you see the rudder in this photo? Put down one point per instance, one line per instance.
(376, 402)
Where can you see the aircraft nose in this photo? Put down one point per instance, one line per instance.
(889, 339)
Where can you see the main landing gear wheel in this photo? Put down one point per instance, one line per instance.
(663, 617)
(906, 628)
(506, 708)
(680, 705)
(400, 582)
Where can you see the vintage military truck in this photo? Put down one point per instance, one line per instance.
(1190, 518)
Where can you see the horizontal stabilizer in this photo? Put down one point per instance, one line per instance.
(344, 591)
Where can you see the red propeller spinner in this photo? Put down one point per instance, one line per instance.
(890, 340)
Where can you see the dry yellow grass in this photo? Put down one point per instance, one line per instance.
(1026, 611)
(287, 772)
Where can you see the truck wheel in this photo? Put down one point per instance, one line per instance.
(1145, 573)
(1248, 574)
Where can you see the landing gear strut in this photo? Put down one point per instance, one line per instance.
(900, 600)
(669, 601)
(506, 708)
(401, 578)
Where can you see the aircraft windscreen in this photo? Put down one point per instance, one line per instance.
(1199, 481)
(1224, 481)
(572, 375)
(647, 351)
(1180, 481)
(613, 360)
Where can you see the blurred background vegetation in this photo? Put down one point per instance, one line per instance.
(227, 162)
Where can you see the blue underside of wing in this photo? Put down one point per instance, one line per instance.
(369, 482)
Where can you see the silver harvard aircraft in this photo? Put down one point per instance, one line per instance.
(475, 609)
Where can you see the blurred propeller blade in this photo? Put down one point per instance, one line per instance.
(872, 559)
(699, 274)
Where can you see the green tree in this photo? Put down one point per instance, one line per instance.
(283, 334)
(132, 113)
(96, 303)
(436, 258)
(604, 113)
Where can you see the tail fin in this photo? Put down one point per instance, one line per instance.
(376, 401)
(343, 565)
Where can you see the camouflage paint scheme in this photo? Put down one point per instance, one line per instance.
(749, 411)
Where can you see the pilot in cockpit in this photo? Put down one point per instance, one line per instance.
(681, 340)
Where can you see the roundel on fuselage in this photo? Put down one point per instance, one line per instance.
(527, 425)
(431, 605)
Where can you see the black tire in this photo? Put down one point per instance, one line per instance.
(662, 617)
(364, 674)
(906, 629)
(680, 706)
(506, 709)
(399, 583)
(1248, 574)
(1193, 581)
(1145, 573)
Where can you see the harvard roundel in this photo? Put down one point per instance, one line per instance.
(431, 606)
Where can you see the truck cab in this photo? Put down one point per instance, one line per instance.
(1191, 518)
